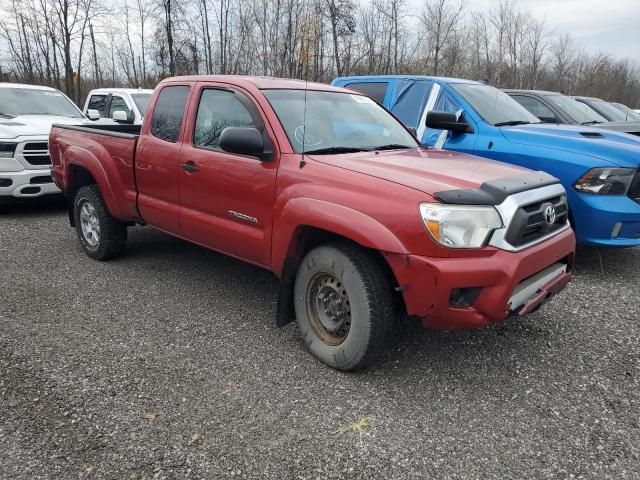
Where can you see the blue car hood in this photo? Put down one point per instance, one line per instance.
(614, 148)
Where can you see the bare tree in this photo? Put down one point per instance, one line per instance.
(440, 18)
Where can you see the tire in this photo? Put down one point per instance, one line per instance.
(102, 236)
(350, 329)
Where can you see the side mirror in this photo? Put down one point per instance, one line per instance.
(121, 116)
(93, 114)
(447, 121)
(242, 140)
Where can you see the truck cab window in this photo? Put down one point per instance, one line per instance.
(168, 113)
(375, 90)
(218, 109)
(446, 103)
(118, 104)
(99, 103)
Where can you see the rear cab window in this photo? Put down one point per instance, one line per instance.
(375, 90)
(169, 112)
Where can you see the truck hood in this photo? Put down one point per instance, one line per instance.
(428, 171)
(33, 125)
(609, 147)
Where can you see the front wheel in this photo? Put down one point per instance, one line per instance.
(101, 235)
(344, 306)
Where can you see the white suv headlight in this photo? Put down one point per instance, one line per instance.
(460, 226)
(7, 149)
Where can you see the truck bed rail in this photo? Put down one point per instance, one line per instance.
(122, 131)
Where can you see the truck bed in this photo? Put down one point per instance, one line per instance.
(107, 154)
(116, 129)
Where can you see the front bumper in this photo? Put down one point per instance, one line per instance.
(427, 283)
(606, 220)
(27, 183)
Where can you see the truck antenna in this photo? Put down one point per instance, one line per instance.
(306, 84)
(304, 124)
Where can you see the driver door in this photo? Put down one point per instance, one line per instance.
(227, 199)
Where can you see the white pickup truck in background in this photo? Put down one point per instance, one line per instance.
(124, 105)
(26, 115)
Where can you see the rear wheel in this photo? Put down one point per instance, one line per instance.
(344, 306)
(101, 235)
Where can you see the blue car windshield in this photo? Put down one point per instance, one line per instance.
(494, 106)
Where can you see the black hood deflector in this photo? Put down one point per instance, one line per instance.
(494, 192)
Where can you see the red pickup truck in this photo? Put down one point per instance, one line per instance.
(330, 192)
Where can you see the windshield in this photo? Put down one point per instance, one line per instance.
(579, 112)
(142, 101)
(630, 115)
(607, 110)
(495, 107)
(31, 101)
(336, 122)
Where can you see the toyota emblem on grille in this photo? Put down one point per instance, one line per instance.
(550, 215)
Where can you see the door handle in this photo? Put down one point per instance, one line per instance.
(189, 167)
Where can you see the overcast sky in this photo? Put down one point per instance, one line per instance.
(611, 26)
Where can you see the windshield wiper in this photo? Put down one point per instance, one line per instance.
(7, 115)
(511, 123)
(592, 122)
(330, 150)
(392, 146)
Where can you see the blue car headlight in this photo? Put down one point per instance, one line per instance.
(608, 181)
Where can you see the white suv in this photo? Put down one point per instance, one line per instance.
(127, 105)
(26, 115)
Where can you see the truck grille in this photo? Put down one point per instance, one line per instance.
(36, 153)
(634, 191)
(530, 222)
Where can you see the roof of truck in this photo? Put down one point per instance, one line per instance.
(535, 92)
(257, 82)
(24, 85)
(121, 90)
(409, 77)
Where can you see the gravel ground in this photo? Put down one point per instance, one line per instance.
(166, 364)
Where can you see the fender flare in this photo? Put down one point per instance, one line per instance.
(331, 217)
(77, 156)
(334, 218)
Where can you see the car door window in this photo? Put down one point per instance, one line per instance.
(168, 113)
(444, 103)
(375, 90)
(218, 109)
(410, 97)
(99, 103)
(535, 106)
(118, 104)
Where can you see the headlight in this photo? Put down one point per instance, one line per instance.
(7, 149)
(460, 226)
(609, 181)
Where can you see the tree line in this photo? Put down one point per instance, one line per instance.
(77, 45)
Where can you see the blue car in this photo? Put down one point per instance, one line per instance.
(600, 169)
